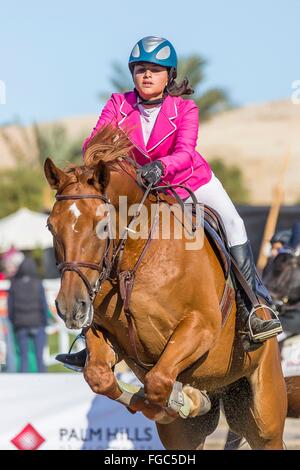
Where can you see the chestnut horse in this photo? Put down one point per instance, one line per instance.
(175, 308)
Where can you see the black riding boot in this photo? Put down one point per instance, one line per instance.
(256, 329)
(74, 361)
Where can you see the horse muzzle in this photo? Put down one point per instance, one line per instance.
(79, 315)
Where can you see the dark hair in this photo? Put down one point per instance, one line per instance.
(177, 89)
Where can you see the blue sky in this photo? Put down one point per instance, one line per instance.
(55, 56)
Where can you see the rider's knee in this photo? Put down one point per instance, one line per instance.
(237, 224)
(236, 230)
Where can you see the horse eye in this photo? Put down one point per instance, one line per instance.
(102, 229)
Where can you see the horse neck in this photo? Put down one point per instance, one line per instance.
(122, 184)
(123, 188)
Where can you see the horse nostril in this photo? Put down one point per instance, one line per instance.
(82, 304)
(59, 313)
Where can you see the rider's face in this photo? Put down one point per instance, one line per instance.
(150, 80)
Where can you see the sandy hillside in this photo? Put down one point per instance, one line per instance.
(255, 137)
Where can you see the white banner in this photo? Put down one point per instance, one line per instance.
(59, 411)
(290, 355)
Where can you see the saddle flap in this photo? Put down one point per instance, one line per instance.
(215, 230)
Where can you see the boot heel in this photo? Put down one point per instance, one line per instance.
(263, 336)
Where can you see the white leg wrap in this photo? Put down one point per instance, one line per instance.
(188, 401)
(128, 391)
(179, 400)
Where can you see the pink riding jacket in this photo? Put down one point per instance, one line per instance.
(173, 138)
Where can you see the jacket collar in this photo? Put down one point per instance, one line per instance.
(131, 122)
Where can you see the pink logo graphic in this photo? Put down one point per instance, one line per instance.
(28, 439)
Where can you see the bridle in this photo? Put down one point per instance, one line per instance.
(105, 265)
(108, 260)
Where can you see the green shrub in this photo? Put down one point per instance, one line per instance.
(231, 177)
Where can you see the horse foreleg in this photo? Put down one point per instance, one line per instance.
(98, 369)
(192, 338)
(99, 375)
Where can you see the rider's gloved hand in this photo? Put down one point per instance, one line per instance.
(152, 172)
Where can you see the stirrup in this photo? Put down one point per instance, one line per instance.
(72, 367)
(261, 337)
(80, 335)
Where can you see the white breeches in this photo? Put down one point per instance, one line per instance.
(214, 195)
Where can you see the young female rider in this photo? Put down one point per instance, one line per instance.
(165, 131)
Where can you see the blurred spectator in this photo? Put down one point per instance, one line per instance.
(27, 310)
(11, 261)
(279, 240)
(294, 242)
(285, 239)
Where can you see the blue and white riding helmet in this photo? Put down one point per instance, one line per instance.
(154, 50)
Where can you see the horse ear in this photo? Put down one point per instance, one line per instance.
(101, 175)
(54, 175)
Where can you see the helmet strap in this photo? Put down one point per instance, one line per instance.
(143, 101)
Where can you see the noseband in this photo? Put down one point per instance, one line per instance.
(103, 268)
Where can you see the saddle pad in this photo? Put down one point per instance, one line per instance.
(290, 356)
(219, 246)
(215, 231)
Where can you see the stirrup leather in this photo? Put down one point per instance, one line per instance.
(263, 336)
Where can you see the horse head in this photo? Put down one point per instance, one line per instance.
(80, 223)
(282, 276)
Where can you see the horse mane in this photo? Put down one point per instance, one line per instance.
(107, 145)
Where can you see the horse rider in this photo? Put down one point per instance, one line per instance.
(286, 238)
(164, 132)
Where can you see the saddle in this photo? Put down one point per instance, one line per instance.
(213, 226)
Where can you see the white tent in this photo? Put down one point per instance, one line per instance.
(24, 230)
